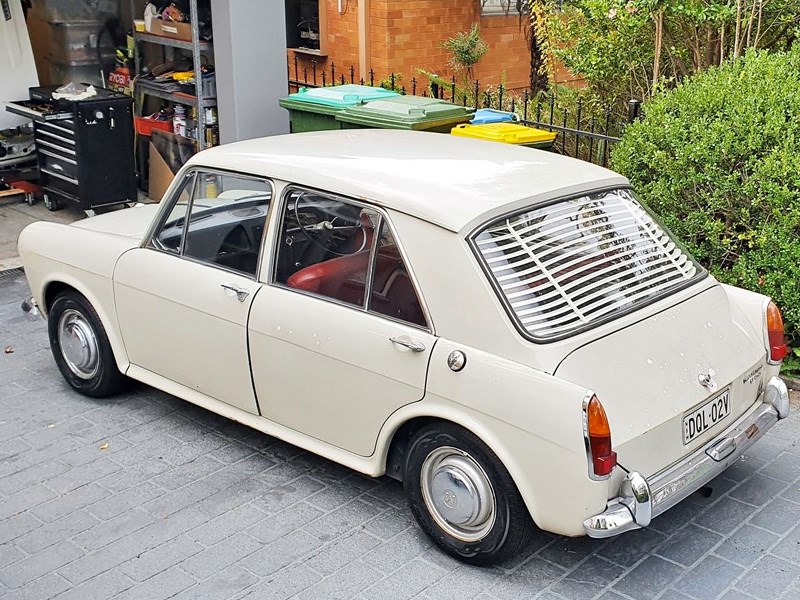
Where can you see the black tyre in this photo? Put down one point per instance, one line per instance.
(80, 347)
(463, 497)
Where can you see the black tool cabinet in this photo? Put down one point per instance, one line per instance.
(84, 148)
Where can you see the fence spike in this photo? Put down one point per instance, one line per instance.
(333, 74)
(564, 138)
(578, 126)
(453, 89)
(314, 71)
(371, 77)
(477, 93)
(391, 79)
(352, 74)
(500, 97)
(414, 86)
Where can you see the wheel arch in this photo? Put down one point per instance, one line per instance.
(64, 282)
(397, 432)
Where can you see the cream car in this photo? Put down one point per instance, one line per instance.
(509, 332)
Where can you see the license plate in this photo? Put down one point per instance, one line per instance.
(701, 419)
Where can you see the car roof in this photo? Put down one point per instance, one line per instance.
(447, 180)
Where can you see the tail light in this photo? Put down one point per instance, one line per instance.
(602, 457)
(777, 343)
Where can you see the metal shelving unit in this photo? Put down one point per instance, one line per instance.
(197, 47)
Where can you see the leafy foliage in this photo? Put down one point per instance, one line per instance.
(467, 49)
(630, 48)
(718, 157)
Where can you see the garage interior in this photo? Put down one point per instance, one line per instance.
(99, 148)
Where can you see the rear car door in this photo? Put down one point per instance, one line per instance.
(183, 299)
(340, 338)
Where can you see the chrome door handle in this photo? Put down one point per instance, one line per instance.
(241, 293)
(413, 346)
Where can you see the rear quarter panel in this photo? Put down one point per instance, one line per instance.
(533, 423)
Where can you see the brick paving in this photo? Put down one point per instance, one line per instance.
(184, 504)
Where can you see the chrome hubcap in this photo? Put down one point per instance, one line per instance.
(458, 494)
(78, 344)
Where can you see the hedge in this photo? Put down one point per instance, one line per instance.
(718, 158)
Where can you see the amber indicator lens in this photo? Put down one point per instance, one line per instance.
(777, 342)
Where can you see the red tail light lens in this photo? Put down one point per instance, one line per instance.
(777, 343)
(604, 459)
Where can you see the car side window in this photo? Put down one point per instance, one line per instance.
(325, 246)
(393, 293)
(218, 218)
(338, 249)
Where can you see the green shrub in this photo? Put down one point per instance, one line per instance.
(718, 158)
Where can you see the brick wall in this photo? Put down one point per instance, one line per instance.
(408, 35)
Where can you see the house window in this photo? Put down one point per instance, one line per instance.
(501, 7)
(304, 24)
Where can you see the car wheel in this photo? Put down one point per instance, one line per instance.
(463, 497)
(80, 347)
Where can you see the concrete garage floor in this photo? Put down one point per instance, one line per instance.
(148, 497)
(15, 215)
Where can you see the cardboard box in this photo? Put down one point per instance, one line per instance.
(160, 175)
(167, 153)
(171, 29)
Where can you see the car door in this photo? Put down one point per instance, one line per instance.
(339, 339)
(183, 298)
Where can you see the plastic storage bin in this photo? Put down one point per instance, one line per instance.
(315, 109)
(490, 115)
(509, 133)
(406, 112)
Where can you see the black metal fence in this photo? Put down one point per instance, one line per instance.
(584, 131)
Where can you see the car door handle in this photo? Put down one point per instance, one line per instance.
(241, 293)
(413, 346)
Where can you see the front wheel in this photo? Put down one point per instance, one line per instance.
(463, 497)
(80, 347)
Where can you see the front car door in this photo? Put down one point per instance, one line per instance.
(183, 298)
(340, 338)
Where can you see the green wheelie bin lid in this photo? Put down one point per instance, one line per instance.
(329, 100)
(314, 109)
(406, 112)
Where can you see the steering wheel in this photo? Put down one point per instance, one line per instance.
(325, 230)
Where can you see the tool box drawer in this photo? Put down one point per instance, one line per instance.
(58, 166)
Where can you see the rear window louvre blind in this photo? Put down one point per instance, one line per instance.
(565, 266)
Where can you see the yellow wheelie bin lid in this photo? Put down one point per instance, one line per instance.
(509, 133)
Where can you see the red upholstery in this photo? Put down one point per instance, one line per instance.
(344, 278)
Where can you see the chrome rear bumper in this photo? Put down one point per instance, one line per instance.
(642, 499)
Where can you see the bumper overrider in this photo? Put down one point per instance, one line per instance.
(642, 499)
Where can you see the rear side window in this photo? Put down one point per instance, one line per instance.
(564, 267)
(344, 251)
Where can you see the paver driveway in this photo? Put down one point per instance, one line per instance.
(145, 496)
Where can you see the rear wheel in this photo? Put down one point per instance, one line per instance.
(463, 497)
(80, 347)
